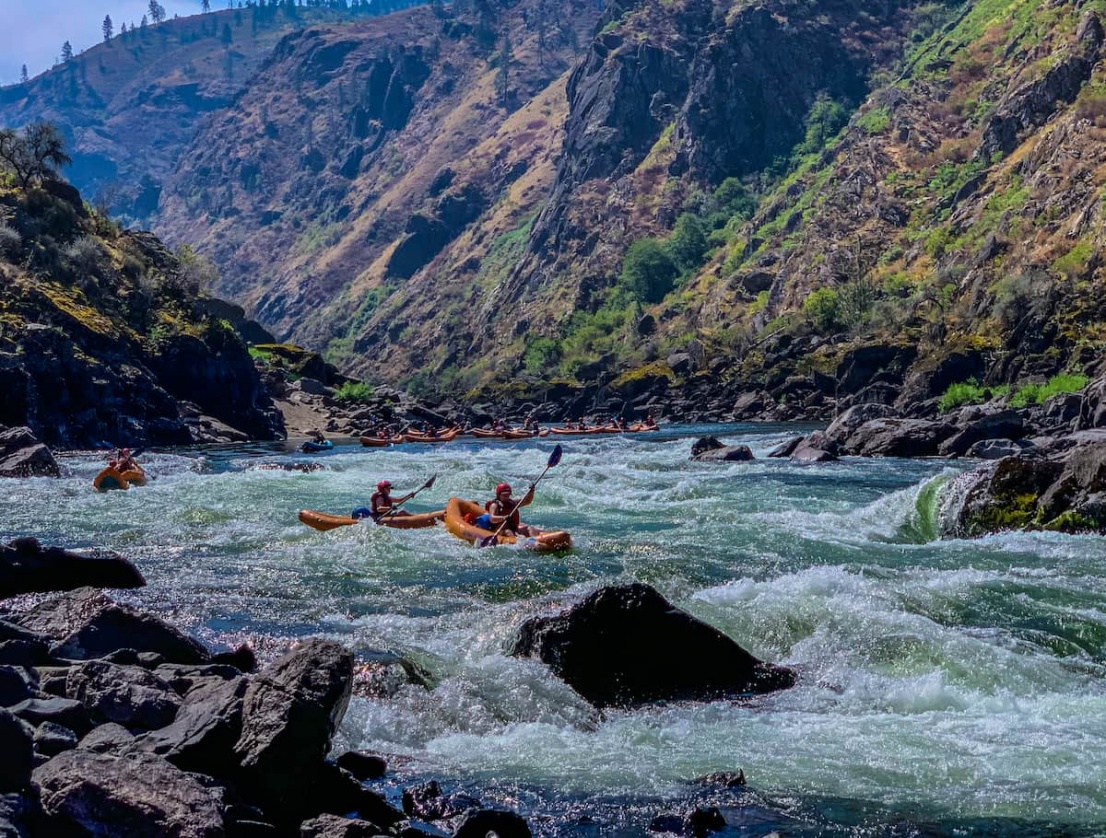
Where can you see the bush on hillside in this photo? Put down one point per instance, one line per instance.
(648, 272)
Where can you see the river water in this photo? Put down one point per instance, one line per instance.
(945, 685)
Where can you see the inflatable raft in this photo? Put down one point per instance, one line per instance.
(311, 447)
(455, 521)
(111, 478)
(324, 521)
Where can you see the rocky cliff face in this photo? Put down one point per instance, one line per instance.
(102, 340)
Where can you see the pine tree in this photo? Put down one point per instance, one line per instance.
(205, 6)
(157, 12)
(23, 77)
(502, 80)
(109, 28)
(66, 52)
(123, 29)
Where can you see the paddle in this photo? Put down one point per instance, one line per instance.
(399, 503)
(493, 539)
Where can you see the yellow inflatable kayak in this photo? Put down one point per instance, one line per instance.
(459, 511)
(324, 521)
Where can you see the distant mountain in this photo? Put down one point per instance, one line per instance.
(771, 208)
(128, 106)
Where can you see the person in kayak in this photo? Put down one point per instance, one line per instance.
(382, 503)
(123, 460)
(504, 508)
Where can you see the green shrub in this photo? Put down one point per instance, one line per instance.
(541, 356)
(354, 392)
(823, 309)
(688, 242)
(648, 272)
(969, 392)
(1040, 393)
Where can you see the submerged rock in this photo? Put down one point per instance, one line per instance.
(627, 646)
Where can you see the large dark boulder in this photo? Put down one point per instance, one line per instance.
(841, 428)
(140, 795)
(206, 728)
(709, 449)
(482, 822)
(28, 567)
(627, 646)
(88, 625)
(290, 713)
(1004, 424)
(17, 747)
(22, 455)
(128, 695)
(898, 438)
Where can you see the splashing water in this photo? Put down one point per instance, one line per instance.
(946, 681)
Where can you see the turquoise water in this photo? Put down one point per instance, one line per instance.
(943, 682)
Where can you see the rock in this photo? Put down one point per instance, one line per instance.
(898, 438)
(89, 625)
(290, 713)
(807, 454)
(627, 646)
(479, 823)
(206, 728)
(63, 711)
(336, 826)
(363, 765)
(128, 695)
(750, 405)
(426, 802)
(709, 449)
(84, 792)
(996, 449)
(785, 449)
(16, 684)
(1006, 424)
(27, 567)
(108, 739)
(17, 746)
(382, 674)
(19, 816)
(52, 739)
(22, 455)
(841, 428)
(697, 822)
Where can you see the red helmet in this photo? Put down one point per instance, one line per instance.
(503, 487)
(384, 484)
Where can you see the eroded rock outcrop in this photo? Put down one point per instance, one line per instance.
(628, 646)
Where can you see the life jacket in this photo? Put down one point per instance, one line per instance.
(374, 503)
(496, 508)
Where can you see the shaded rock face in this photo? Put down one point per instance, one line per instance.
(290, 713)
(87, 625)
(84, 792)
(628, 646)
(754, 84)
(220, 377)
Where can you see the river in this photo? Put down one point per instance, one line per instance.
(945, 685)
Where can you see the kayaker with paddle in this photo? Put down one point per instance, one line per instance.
(123, 460)
(503, 512)
(382, 505)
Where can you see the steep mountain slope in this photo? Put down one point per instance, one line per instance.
(361, 152)
(814, 203)
(127, 106)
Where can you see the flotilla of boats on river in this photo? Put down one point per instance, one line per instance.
(459, 514)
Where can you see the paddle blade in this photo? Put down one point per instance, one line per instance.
(429, 482)
(555, 457)
(488, 541)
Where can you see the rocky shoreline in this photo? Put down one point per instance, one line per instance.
(113, 721)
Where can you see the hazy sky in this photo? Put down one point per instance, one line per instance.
(33, 31)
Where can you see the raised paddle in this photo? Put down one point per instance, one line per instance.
(493, 539)
(400, 503)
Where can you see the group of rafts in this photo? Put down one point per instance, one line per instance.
(459, 514)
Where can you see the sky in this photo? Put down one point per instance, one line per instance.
(32, 31)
